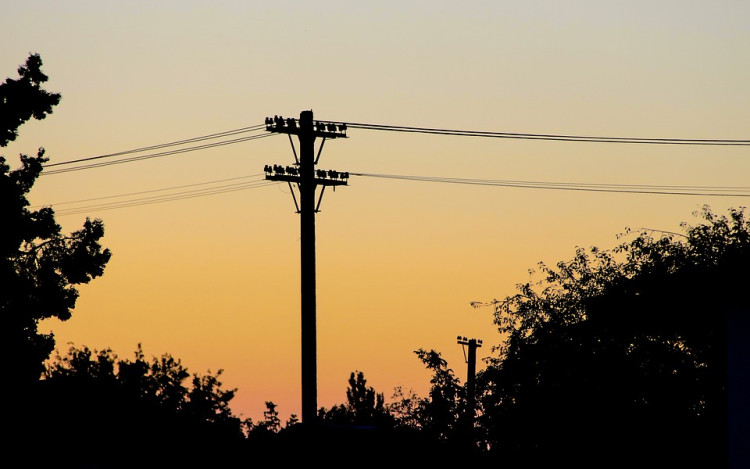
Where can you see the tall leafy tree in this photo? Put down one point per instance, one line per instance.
(366, 405)
(622, 354)
(39, 265)
(440, 413)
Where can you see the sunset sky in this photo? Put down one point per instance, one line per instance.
(214, 280)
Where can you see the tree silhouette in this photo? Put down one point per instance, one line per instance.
(440, 413)
(622, 354)
(24, 98)
(133, 402)
(405, 408)
(39, 266)
(364, 407)
(271, 421)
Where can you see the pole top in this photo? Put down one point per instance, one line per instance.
(466, 341)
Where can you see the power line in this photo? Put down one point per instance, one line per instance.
(552, 137)
(365, 126)
(612, 188)
(156, 155)
(166, 197)
(162, 145)
(685, 190)
(148, 191)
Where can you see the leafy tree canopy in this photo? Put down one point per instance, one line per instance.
(24, 98)
(93, 399)
(39, 266)
(622, 352)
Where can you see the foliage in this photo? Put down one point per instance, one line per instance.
(271, 421)
(622, 352)
(39, 266)
(131, 402)
(270, 425)
(365, 428)
(293, 420)
(363, 402)
(405, 408)
(440, 413)
(364, 406)
(24, 98)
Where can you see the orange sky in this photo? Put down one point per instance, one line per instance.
(214, 280)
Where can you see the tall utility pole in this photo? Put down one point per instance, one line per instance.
(471, 360)
(307, 179)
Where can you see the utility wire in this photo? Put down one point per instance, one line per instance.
(162, 145)
(618, 188)
(563, 138)
(365, 126)
(612, 188)
(689, 190)
(151, 191)
(167, 197)
(156, 155)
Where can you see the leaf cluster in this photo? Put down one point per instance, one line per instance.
(23, 98)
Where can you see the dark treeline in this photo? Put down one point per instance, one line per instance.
(616, 357)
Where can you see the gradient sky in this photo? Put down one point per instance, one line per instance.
(214, 281)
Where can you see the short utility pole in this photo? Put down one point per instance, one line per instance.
(472, 369)
(307, 179)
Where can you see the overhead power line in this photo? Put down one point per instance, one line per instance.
(354, 125)
(100, 164)
(170, 197)
(552, 137)
(161, 145)
(685, 190)
(736, 191)
(151, 191)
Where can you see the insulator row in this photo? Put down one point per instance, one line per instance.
(281, 170)
(294, 171)
(281, 122)
(331, 174)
